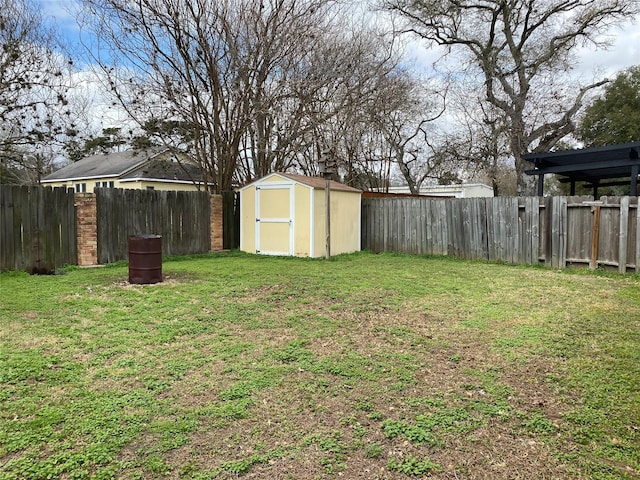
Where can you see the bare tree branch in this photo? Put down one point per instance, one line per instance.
(522, 49)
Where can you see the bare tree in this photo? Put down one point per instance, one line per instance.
(476, 138)
(523, 51)
(34, 82)
(404, 115)
(253, 82)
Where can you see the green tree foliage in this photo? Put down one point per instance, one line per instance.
(615, 116)
(111, 140)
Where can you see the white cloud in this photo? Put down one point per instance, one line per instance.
(61, 13)
(623, 53)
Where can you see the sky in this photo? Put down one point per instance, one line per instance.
(591, 64)
(624, 52)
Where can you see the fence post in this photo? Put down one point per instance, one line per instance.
(637, 234)
(87, 229)
(595, 237)
(216, 223)
(624, 229)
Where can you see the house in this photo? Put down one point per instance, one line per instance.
(463, 190)
(151, 169)
(285, 214)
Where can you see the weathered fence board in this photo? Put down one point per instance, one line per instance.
(182, 218)
(37, 228)
(503, 229)
(637, 239)
(528, 229)
(555, 230)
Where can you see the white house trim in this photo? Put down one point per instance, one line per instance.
(80, 179)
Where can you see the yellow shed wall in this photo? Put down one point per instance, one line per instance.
(302, 221)
(248, 220)
(345, 222)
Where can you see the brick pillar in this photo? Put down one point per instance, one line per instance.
(86, 229)
(216, 223)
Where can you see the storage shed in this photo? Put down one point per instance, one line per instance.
(284, 214)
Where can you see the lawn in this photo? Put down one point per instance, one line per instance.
(367, 366)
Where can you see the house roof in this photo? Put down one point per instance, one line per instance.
(104, 165)
(164, 169)
(317, 183)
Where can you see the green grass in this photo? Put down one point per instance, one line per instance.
(387, 366)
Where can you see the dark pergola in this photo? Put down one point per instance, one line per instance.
(596, 166)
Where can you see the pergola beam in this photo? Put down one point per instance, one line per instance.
(584, 167)
(590, 165)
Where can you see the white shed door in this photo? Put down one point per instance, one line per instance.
(274, 219)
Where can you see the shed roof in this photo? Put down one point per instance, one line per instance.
(317, 183)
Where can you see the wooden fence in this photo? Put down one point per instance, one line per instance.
(37, 228)
(557, 231)
(182, 218)
(231, 220)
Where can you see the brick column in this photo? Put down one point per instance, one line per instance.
(216, 223)
(86, 229)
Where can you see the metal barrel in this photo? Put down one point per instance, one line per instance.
(145, 259)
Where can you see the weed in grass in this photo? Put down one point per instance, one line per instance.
(155, 465)
(333, 465)
(425, 402)
(242, 466)
(412, 466)
(375, 415)
(536, 423)
(347, 364)
(226, 410)
(373, 450)
(294, 351)
(364, 405)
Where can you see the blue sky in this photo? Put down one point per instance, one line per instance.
(592, 64)
(624, 53)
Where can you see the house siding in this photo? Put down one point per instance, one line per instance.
(132, 184)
